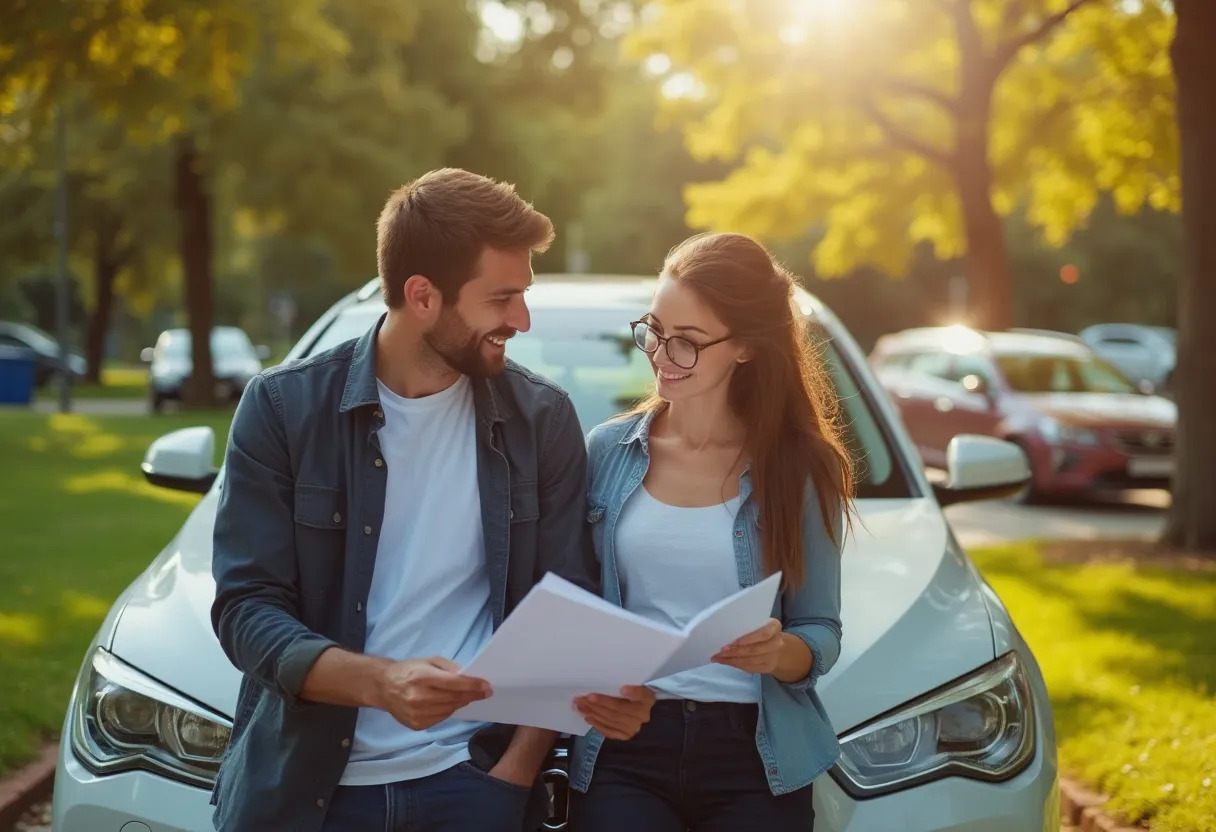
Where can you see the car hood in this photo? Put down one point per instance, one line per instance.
(1105, 409)
(914, 614)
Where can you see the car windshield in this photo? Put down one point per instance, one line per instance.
(590, 353)
(1038, 373)
(227, 342)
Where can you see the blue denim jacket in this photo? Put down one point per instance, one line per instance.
(793, 735)
(296, 532)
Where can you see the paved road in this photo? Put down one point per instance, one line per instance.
(97, 407)
(1138, 514)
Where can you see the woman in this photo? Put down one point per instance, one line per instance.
(733, 470)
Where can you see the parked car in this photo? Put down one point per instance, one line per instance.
(939, 703)
(1145, 354)
(47, 357)
(233, 356)
(1084, 426)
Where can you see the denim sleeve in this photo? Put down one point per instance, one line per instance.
(253, 561)
(564, 538)
(812, 612)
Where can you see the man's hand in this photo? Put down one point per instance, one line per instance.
(420, 693)
(617, 718)
(757, 652)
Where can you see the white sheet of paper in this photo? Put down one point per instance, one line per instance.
(562, 642)
(719, 625)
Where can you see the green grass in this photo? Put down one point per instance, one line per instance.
(77, 524)
(117, 382)
(1129, 655)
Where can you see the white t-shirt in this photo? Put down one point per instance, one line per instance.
(430, 592)
(673, 563)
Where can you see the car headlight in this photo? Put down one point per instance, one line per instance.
(981, 727)
(1057, 433)
(126, 720)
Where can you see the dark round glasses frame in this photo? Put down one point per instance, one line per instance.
(641, 329)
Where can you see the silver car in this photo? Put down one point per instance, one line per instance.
(939, 703)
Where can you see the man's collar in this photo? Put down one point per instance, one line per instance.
(361, 389)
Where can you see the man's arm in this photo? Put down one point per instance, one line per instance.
(255, 609)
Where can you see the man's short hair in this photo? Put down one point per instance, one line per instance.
(437, 225)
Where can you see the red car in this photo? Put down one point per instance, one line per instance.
(1083, 425)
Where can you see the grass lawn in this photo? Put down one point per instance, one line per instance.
(117, 382)
(1129, 654)
(77, 523)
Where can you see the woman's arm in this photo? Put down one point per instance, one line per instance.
(812, 612)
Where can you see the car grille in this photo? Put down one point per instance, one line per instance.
(1145, 442)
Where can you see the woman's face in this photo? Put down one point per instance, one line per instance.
(677, 310)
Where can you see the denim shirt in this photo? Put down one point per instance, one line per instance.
(794, 738)
(296, 533)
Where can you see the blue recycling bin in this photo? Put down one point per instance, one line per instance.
(17, 367)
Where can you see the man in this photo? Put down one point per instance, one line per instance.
(384, 507)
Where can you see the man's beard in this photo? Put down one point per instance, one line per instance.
(461, 348)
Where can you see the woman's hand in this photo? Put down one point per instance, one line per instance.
(617, 718)
(757, 652)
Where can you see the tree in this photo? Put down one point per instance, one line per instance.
(160, 69)
(118, 226)
(1192, 522)
(887, 123)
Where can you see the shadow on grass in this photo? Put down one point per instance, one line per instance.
(1183, 639)
(1171, 613)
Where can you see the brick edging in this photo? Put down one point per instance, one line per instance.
(27, 786)
(1082, 808)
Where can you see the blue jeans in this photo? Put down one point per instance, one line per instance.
(694, 766)
(456, 800)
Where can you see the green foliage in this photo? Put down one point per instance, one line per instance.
(853, 118)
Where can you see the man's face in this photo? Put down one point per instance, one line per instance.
(471, 334)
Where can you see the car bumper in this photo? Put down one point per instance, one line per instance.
(86, 802)
(225, 387)
(1065, 469)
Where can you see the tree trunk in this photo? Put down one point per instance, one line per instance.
(987, 261)
(106, 262)
(194, 247)
(1192, 522)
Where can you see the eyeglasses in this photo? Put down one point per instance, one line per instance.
(682, 352)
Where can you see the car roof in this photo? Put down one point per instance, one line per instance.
(564, 290)
(964, 340)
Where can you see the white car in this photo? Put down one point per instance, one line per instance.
(1145, 354)
(939, 704)
(233, 356)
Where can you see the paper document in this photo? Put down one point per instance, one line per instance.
(562, 642)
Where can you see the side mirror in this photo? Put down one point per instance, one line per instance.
(263, 352)
(182, 460)
(147, 354)
(981, 468)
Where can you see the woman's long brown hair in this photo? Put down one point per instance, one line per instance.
(783, 394)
